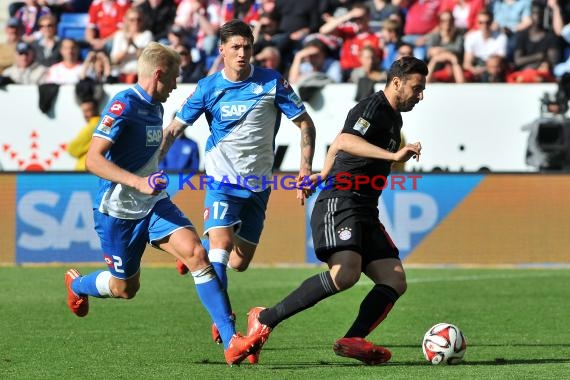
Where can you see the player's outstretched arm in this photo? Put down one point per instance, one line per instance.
(97, 164)
(408, 151)
(308, 134)
(169, 134)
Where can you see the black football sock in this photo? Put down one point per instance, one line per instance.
(311, 291)
(373, 310)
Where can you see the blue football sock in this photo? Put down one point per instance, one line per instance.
(219, 259)
(205, 243)
(95, 284)
(216, 301)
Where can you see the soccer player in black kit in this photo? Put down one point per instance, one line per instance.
(347, 232)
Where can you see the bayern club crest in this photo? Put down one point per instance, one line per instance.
(345, 233)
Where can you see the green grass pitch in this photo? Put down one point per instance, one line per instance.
(517, 324)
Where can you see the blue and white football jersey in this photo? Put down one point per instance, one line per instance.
(133, 122)
(244, 118)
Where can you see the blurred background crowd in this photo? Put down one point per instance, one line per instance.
(309, 41)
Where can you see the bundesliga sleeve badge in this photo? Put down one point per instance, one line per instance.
(361, 126)
(106, 124)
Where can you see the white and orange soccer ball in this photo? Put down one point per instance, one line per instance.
(444, 343)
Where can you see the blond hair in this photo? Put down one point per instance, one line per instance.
(157, 56)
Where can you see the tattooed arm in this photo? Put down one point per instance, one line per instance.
(308, 133)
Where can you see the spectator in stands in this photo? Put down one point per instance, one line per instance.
(128, 44)
(404, 50)
(269, 57)
(191, 66)
(25, 70)
(264, 30)
(297, 19)
(314, 58)
(368, 74)
(105, 18)
(97, 67)
(267, 6)
(47, 46)
(390, 40)
(29, 15)
(354, 30)
(79, 146)
(495, 70)
(13, 31)
(541, 74)
(201, 20)
(369, 66)
(481, 44)
(421, 19)
(464, 12)
(560, 18)
(158, 16)
(447, 38)
(561, 27)
(176, 36)
(381, 11)
(335, 8)
(450, 69)
(445, 51)
(68, 71)
(536, 45)
(246, 10)
(510, 17)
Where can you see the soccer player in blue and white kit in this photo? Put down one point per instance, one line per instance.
(243, 106)
(132, 209)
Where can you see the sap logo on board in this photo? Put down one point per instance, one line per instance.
(412, 215)
(234, 110)
(49, 221)
(153, 135)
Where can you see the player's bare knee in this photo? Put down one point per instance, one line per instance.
(199, 253)
(241, 267)
(398, 284)
(401, 287)
(346, 279)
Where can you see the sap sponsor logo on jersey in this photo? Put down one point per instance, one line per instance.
(106, 124)
(153, 135)
(117, 108)
(235, 110)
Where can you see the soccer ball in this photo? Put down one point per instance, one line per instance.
(444, 343)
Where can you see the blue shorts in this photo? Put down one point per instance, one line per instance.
(123, 240)
(226, 205)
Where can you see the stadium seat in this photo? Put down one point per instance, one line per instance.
(73, 25)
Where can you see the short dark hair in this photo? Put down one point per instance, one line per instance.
(235, 28)
(405, 66)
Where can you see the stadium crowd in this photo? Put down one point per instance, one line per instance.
(309, 42)
(312, 43)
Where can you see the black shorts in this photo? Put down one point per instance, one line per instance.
(343, 223)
